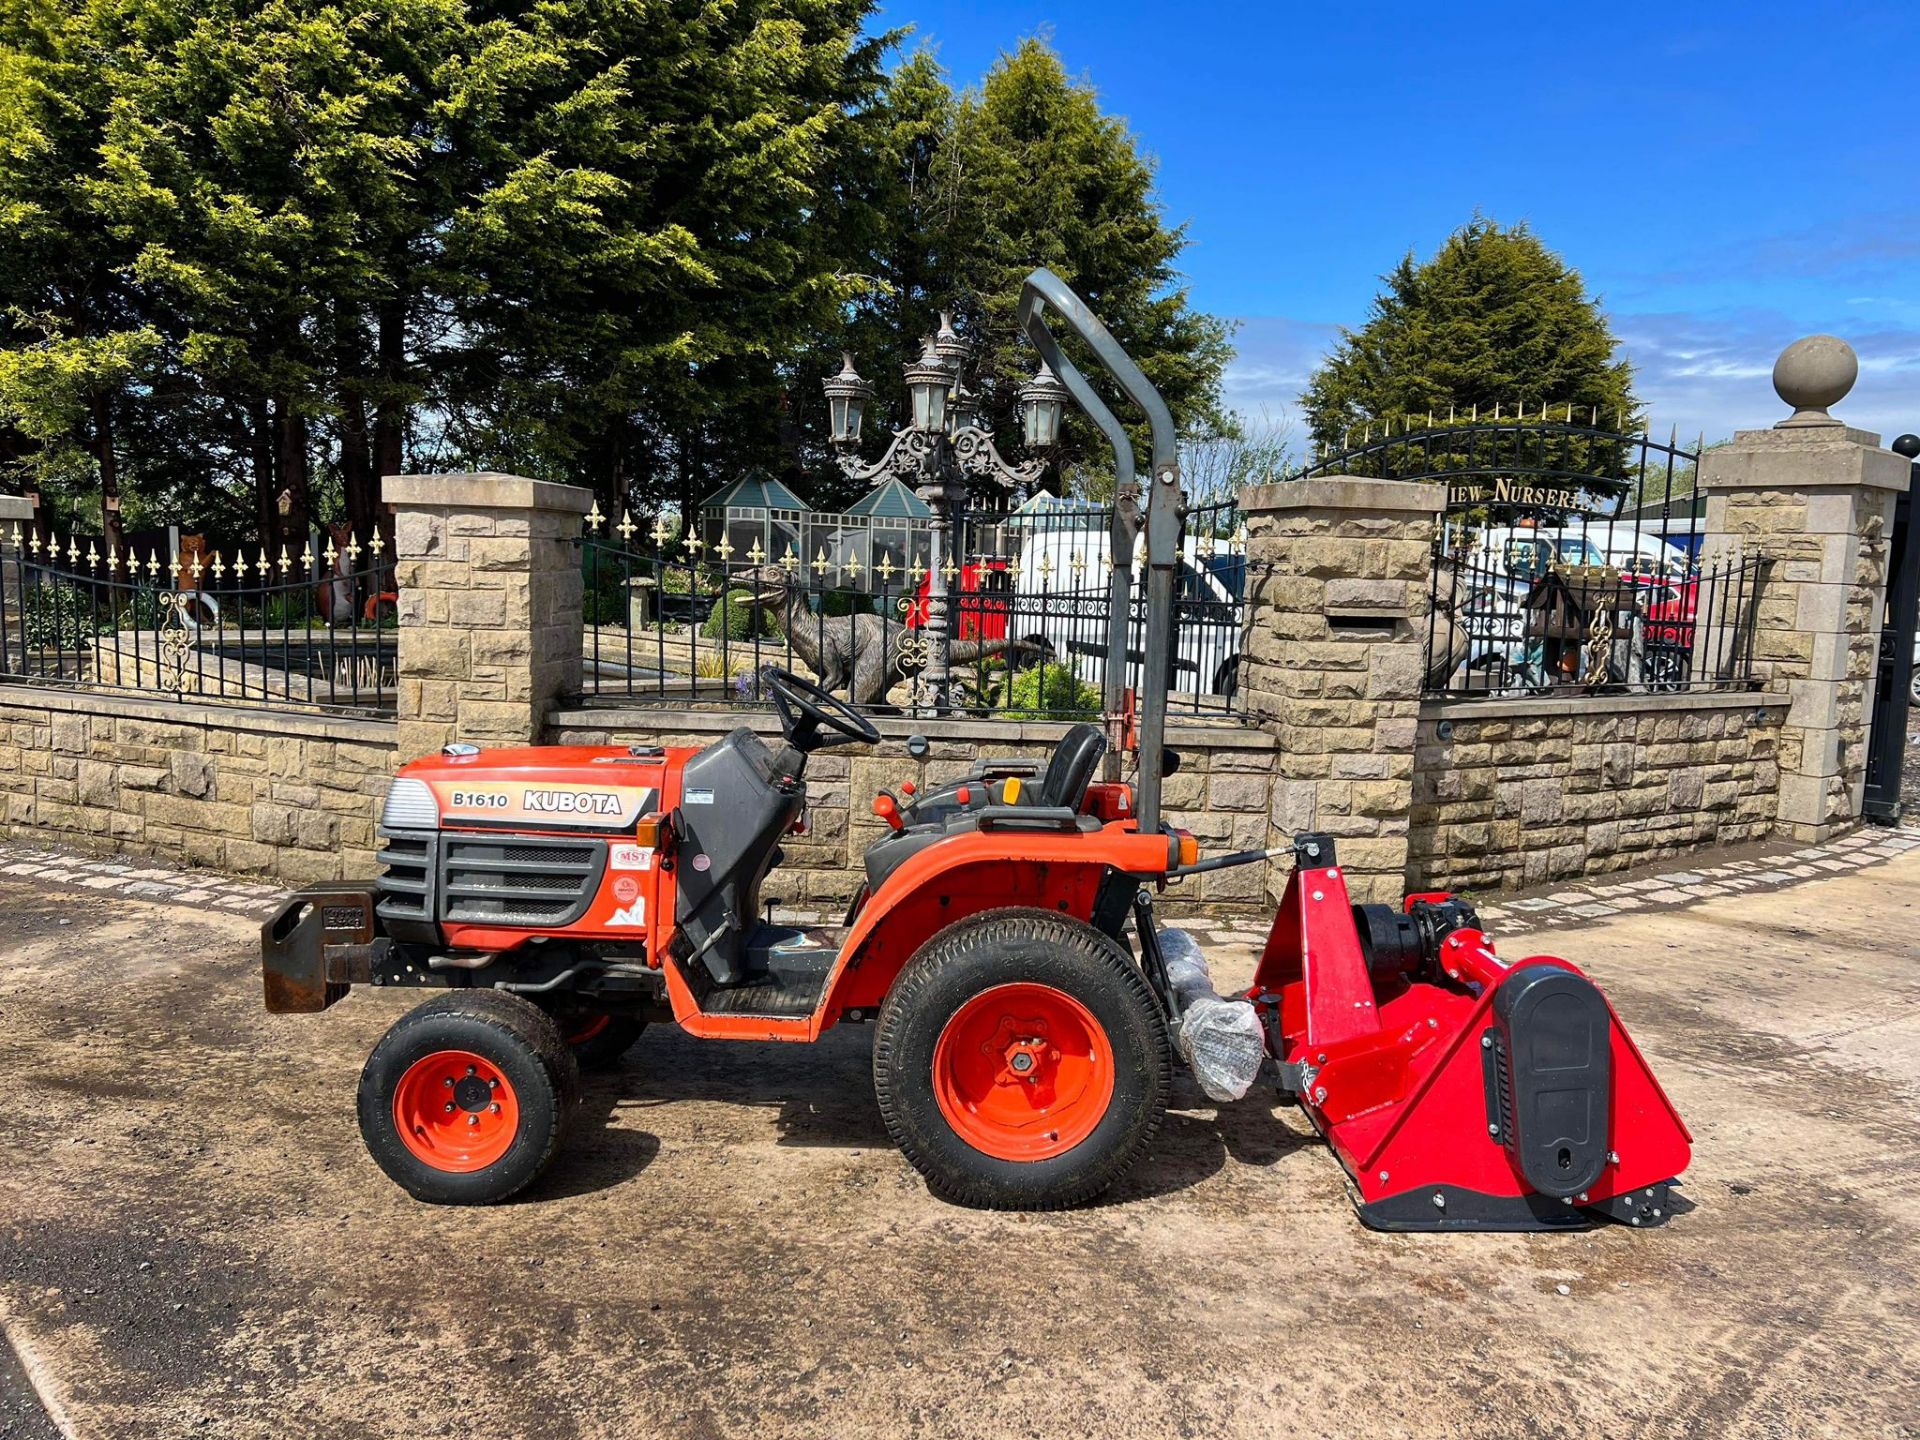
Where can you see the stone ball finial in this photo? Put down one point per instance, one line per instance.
(1812, 374)
(1909, 446)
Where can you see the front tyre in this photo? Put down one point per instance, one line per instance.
(1021, 1062)
(465, 1100)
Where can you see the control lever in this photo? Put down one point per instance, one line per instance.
(888, 809)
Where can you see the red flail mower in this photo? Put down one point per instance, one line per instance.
(1028, 1009)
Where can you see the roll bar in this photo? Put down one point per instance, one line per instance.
(1043, 289)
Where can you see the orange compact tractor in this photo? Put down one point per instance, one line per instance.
(1027, 1009)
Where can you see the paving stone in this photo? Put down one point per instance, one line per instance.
(102, 882)
(1537, 903)
(151, 889)
(1592, 912)
(1682, 877)
(1703, 892)
(1570, 897)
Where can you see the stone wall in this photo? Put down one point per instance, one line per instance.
(1512, 793)
(253, 792)
(1221, 792)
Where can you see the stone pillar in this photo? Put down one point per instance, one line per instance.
(490, 593)
(1338, 591)
(1816, 498)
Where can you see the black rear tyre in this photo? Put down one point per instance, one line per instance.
(466, 1099)
(1012, 1009)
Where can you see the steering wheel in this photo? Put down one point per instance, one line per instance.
(806, 709)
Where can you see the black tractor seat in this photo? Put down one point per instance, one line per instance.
(1049, 799)
(1060, 783)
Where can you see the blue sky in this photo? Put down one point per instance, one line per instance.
(1726, 177)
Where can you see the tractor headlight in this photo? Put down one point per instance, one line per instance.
(410, 806)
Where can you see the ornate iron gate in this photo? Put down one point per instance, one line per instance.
(1896, 672)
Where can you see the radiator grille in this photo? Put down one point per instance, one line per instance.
(476, 880)
(407, 881)
(527, 882)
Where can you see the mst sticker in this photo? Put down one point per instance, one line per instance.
(630, 857)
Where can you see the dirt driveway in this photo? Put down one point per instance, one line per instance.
(192, 1241)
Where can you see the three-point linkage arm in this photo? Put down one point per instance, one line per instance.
(1043, 289)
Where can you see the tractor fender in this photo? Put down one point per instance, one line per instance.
(971, 873)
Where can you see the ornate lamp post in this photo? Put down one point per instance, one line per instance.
(942, 446)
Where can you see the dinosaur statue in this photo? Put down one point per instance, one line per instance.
(864, 654)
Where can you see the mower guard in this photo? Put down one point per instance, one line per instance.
(317, 944)
(1460, 1091)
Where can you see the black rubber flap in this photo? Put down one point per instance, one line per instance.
(1556, 1050)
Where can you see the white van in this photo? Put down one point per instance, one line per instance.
(1061, 591)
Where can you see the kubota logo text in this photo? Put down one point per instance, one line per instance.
(572, 802)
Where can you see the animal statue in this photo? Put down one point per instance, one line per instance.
(337, 589)
(864, 654)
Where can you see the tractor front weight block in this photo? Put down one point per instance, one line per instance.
(317, 945)
(1460, 1091)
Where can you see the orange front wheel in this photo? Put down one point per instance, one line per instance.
(597, 1037)
(465, 1100)
(1021, 1061)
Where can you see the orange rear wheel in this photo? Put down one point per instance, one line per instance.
(1023, 1072)
(1020, 1061)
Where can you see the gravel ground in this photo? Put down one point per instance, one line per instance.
(192, 1241)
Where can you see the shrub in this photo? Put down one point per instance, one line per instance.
(1051, 691)
(62, 616)
(603, 583)
(740, 617)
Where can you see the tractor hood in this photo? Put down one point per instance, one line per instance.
(603, 789)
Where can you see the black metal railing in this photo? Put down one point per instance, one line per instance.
(201, 625)
(1569, 555)
(1502, 626)
(673, 619)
